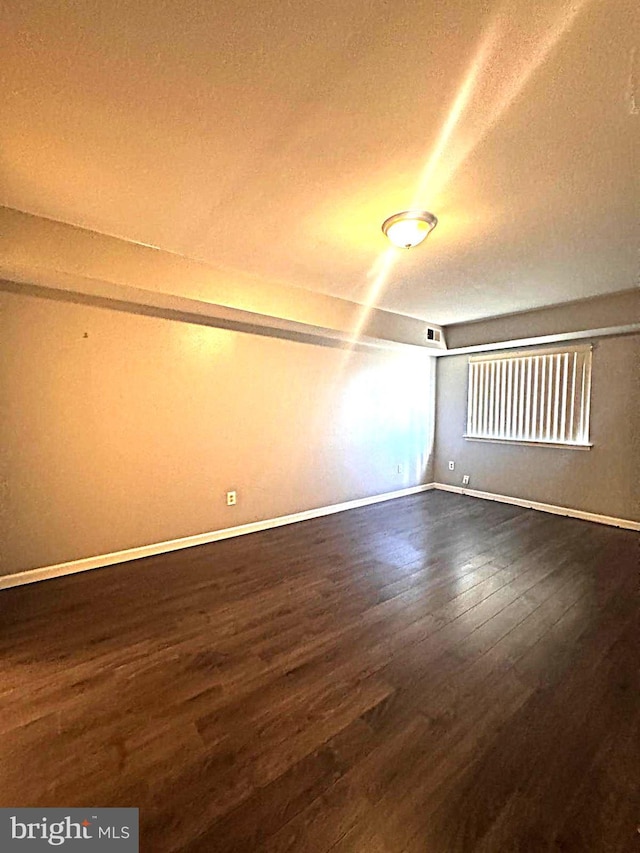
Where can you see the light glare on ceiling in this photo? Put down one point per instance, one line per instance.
(409, 228)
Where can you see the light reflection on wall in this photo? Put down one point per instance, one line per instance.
(382, 407)
(196, 342)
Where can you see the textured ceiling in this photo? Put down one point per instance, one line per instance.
(275, 137)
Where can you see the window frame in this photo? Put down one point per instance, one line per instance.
(582, 351)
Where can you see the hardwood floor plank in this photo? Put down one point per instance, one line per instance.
(431, 673)
(534, 751)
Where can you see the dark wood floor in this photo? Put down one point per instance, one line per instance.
(429, 675)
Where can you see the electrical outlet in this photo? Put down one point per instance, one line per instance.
(232, 499)
(465, 480)
(400, 468)
(452, 466)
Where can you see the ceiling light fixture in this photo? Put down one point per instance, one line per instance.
(410, 228)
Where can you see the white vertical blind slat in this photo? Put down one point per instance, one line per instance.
(521, 399)
(556, 396)
(509, 398)
(527, 417)
(574, 360)
(583, 385)
(587, 401)
(544, 385)
(492, 376)
(513, 427)
(548, 433)
(470, 400)
(534, 405)
(564, 401)
(501, 400)
(485, 393)
(475, 402)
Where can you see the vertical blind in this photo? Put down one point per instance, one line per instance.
(540, 396)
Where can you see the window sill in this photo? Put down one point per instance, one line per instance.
(560, 445)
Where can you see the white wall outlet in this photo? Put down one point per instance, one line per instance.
(452, 466)
(400, 468)
(465, 480)
(232, 498)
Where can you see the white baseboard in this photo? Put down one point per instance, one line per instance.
(556, 510)
(87, 563)
(102, 560)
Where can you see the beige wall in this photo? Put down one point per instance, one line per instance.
(120, 430)
(599, 312)
(61, 257)
(604, 480)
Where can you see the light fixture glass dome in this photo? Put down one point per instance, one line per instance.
(409, 228)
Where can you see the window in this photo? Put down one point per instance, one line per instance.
(539, 396)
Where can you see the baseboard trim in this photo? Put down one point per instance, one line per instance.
(88, 563)
(555, 510)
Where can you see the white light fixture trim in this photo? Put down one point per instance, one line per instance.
(409, 228)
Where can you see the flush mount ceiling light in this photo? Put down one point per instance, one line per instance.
(409, 228)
